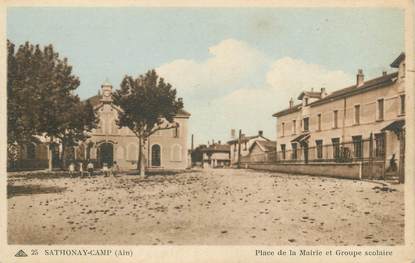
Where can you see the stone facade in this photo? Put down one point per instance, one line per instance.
(359, 112)
(246, 143)
(165, 149)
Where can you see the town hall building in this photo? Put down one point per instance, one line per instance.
(165, 149)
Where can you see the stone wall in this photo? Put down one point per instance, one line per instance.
(349, 170)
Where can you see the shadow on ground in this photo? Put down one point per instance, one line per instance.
(18, 190)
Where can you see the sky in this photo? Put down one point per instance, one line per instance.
(234, 67)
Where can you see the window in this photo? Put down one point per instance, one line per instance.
(319, 149)
(380, 145)
(283, 151)
(294, 151)
(357, 114)
(336, 147)
(402, 99)
(380, 109)
(155, 155)
(306, 124)
(319, 122)
(294, 126)
(245, 146)
(357, 146)
(306, 101)
(335, 119)
(283, 129)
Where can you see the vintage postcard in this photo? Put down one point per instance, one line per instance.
(273, 131)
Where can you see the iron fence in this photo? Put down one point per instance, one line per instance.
(357, 150)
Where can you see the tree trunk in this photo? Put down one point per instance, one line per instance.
(63, 158)
(140, 163)
(50, 165)
(50, 158)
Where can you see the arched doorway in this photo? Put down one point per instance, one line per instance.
(155, 155)
(106, 154)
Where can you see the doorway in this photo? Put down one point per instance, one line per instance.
(106, 154)
(155, 155)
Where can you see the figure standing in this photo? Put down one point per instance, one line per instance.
(105, 169)
(72, 169)
(115, 169)
(90, 168)
(81, 169)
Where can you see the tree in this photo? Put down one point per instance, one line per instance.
(148, 104)
(197, 153)
(77, 123)
(41, 99)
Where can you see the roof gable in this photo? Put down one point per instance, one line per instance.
(398, 60)
(265, 146)
(247, 138)
(97, 103)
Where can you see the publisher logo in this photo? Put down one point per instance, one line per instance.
(20, 253)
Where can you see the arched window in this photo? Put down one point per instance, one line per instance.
(155, 155)
(176, 153)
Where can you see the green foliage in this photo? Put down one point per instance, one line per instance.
(41, 100)
(148, 104)
(197, 153)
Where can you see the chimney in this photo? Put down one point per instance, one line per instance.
(219, 142)
(384, 73)
(213, 142)
(192, 142)
(359, 78)
(323, 93)
(233, 134)
(291, 103)
(260, 133)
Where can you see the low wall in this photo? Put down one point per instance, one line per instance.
(340, 170)
(374, 170)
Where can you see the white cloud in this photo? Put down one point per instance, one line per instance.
(231, 63)
(238, 87)
(291, 76)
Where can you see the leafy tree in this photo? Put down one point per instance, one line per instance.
(148, 104)
(41, 100)
(197, 153)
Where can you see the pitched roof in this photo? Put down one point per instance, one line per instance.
(379, 82)
(398, 60)
(217, 148)
(310, 94)
(266, 146)
(247, 138)
(96, 101)
(382, 81)
(287, 111)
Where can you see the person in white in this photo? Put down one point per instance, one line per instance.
(105, 169)
(72, 170)
(81, 169)
(90, 168)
